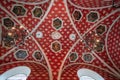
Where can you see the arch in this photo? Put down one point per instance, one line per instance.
(14, 71)
(87, 72)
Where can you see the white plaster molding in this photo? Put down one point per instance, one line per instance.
(106, 46)
(30, 3)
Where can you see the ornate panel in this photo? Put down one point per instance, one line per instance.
(101, 29)
(19, 10)
(21, 54)
(57, 23)
(37, 55)
(56, 46)
(37, 12)
(8, 23)
(77, 15)
(93, 16)
(87, 57)
(73, 56)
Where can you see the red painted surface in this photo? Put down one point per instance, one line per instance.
(56, 62)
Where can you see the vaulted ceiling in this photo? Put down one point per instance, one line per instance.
(56, 38)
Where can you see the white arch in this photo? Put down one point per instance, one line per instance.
(89, 73)
(14, 71)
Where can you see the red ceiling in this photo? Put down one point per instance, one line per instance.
(58, 64)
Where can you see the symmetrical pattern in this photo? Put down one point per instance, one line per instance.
(55, 38)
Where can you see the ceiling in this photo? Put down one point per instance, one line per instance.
(56, 38)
